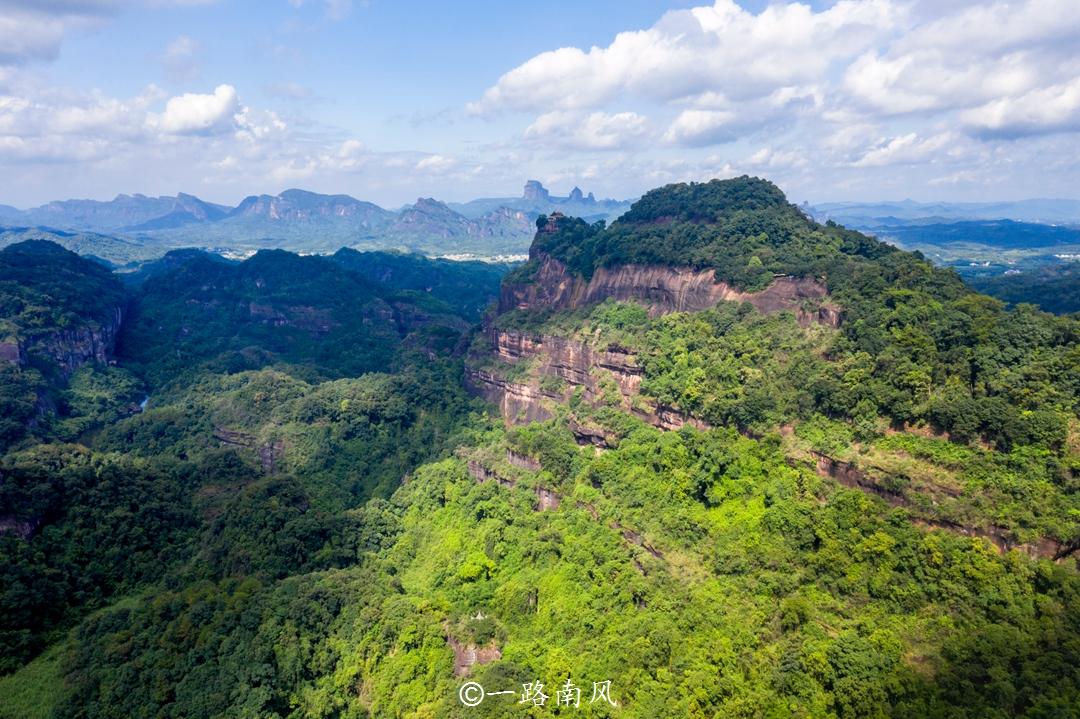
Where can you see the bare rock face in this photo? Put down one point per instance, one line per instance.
(663, 290)
(518, 403)
(75, 347)
(546, 499)
(568, 359)
(11, 351)
(577, 365)
(523, 460)
(468, 655)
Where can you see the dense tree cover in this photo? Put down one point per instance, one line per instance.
(346, 439)
(696, 571)
(296, 523)
(915, 347)
(277, 303)
(244, 463)
(117, 518)
(969, 368)
(102, 524)
(45, 288)
(49, 297)
(20, 390)
(1054, 288)
(467, 287)
(743, 228)
(322, 315)
(733, 366)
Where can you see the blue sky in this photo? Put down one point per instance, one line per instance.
(388, 101)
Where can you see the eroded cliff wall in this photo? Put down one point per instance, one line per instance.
(663, 290)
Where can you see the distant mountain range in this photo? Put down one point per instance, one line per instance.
(134, 227)
(882, 214)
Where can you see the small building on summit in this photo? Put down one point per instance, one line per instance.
(553, 222)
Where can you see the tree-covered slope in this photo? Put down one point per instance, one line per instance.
(244, 453)
(696, 571)
(744, 228)
(914, 345)
(468, 287)
(59, 315)
(1054, 288)
(732, 512)
(46, 288)
(275, 307)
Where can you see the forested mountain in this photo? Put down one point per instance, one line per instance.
(731, 462)
(60, 317)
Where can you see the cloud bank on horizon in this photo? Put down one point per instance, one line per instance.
(856, 99)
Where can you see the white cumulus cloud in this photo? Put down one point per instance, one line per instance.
(688, 52)
(907, 148)
(702, 127)
(193, 113)
(1040, 111)
(588, 131)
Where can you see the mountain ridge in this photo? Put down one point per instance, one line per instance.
(308, 221)
(283, 489)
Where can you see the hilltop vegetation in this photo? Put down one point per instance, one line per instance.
(743, 228)
(915, 345)
(311, 517)
(44, 287)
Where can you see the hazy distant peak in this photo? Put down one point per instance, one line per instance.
(535, 191)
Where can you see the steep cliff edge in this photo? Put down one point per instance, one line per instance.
(61, 311)
(663, 290)
(71, 348)
(558, 369)
(721, 305)
(58, 312)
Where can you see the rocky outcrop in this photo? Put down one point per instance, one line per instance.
(72, 348)
(577, 365)
(568, 359)
(523, 460)
(12, 351)
(535, 191)
(546, 499)
(664, 290)
(848, 475)
(590, 435)
(517, 403)
(269, 453)
(661, 289)
(468, 655)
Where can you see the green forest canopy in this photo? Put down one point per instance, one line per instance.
(294, 526)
